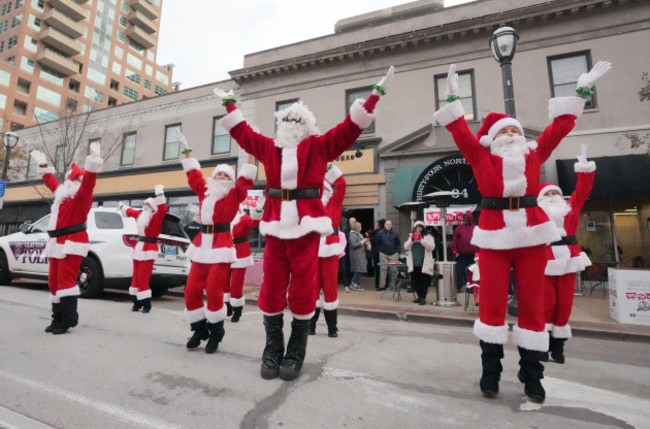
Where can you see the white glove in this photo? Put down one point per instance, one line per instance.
(39, 157)
(384, 83)
(182, 140)
(259, 206)
(587, 80)
(223, 94)
(452, 81)
(582, 156)
(159, 190)
(94, 150)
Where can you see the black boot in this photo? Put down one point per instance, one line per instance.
(201, 333)
(296, 350)
(228, 308)
(146, 305)
(556, 346)
(69, 315)
(236, 314)
(312, 322)
(57, 317)
(274, 349)
(530, 373)
(137, 305)
(216, 335)
(330, 318)
(491, 360)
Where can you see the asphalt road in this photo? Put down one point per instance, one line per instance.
(120, 369)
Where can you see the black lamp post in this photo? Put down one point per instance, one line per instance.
(503, 43)
(9, 140)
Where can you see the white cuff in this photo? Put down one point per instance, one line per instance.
(588, 167)
(190, 164)
(360, 115)
(449, 113)
(232, 119)
(333, 174)
(248, 171)
(160, 199)
(559, 106)
(42, 171)
(93, 164)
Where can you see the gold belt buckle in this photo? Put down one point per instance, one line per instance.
(510, 205)
(285, 194)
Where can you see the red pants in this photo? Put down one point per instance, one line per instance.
(558, 300)
(236, 286)
(328, 272)
(141, 275)
(209, 277)
(292, 264)
(63, 276)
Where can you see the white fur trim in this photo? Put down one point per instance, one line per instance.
(327, 250)
(545, 189)
(561, 331)
(133, 290)
(333, 174)
(160, 199)
(226, 169)
(206, 255)
(93, 164)
(321, 225)
(559, 267)
(486, 141)
(476, 273)
(559, 106)
(216, 316)
(141, 255)
(303, 316)
(588, 167)
(265, 313)
(195, 315)
(60, 251)
(501, 124)
(238, 302)
(71, 291)
(548, 327)
(514, 177)
(449, 113)
(360, 115)
(244, 262)
(190, 164)
(490, 334)
(248, 171)
(55, 299)
(514, 238)
(232, 119)
(530, 340)
(42, 171)
(319, 303)
(289, 168)
(226, 297)
(331, 305)
(124, 209)
(144, 294)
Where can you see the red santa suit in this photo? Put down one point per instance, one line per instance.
(565, 257)
(145, 252)
(514, 235)
(474, 279)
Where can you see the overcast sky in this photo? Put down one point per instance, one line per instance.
(206, 38)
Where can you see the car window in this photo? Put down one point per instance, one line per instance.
(172, 226)
(107, 220)
(40, 225)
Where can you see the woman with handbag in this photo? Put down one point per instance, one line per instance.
(419, 258)
(358, 262)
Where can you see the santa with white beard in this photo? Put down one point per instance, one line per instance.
(295, 162)
(212, 250)
(565, 257)
(149, 221)
(68, 243)
(513, 230)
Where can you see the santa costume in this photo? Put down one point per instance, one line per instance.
(149, 221)
(68, 243)
(329, 250)
(513, 230)
(474, 279)
(212, 250)
(565, 257)
(295, 162)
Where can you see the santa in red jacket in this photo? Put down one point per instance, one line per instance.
(513, 230)
(68, 243)
(149, 221)
(329, 252)
(295, 162)
(212, 250)
(565, 257)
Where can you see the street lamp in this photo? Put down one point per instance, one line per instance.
(9, 140)
(503, 43)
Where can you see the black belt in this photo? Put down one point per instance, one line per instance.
(336, 232)
(147, 239)
(511, 203)
(217, 227)
(67, 230)
(240, 240)
(571, 239)
(293, 194)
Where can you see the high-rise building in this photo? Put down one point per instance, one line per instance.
(60, 57)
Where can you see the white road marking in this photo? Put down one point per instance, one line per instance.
(10, 419)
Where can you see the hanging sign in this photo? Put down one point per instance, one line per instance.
(433, 215)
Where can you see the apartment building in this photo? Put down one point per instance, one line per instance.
(60, 57)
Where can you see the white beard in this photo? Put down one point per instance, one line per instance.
(143, 220)
(556, 209)
(67, 189)
(507, 147)
(290, 134)
(217, 189)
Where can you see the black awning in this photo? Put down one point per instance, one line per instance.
(20, 213)
(617, 177)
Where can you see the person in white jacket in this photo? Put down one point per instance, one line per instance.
(419, 258)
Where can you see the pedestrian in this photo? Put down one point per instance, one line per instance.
(212, 250)
(419, 259)
(329, 251)
(513, 230)
(68, 242)
(565, 257)
(379, 225)
(294, 218)
(370, 266)
(388, 245)
(149, 222)
(358, 261)
(463, 249)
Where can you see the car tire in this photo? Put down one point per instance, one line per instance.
(158, 291)
(5, 275)
(93, 286)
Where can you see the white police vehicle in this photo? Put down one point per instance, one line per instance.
(109, 263)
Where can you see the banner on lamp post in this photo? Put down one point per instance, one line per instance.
(433, 216)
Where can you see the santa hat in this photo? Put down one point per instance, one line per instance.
(224, 168)
(545, 187)
(493, 123)
(74, 173)
(422, 224)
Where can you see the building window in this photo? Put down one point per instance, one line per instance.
(125, 7)
(19, 3)
(564, 71)
(147, 84)
(12, 42)
(3, 26)
(132, 76)
(2, 46)
(11, 59)
(128, 149)
(16, 20)
(131, 93)
(123, 21)
(6, 8)
(172, 147)
(465, 92)
(121, 36)
(20, 108)
(159, 90)
(353, 94)
(220, 137)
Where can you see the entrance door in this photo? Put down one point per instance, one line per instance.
(365, 216)
(627, 222)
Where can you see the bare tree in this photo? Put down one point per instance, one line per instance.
(18, 157)
(641, 140)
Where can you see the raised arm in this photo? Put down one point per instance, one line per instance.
(586, 171)
(128, 211)
(45, 171)
(191, 166)
(92, 166)
(161, 204)
(245, 181)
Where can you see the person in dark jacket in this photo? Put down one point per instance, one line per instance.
(463, 248)
(388, 245)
